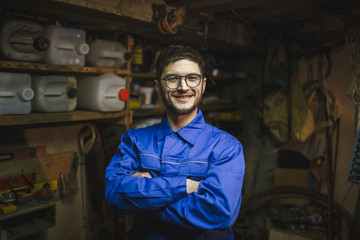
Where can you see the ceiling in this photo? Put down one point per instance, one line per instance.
(270, 13)
(258, 17)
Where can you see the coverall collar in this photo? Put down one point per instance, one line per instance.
(189, 133)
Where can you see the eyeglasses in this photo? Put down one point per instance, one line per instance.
(173, 81)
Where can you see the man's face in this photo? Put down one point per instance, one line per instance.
(184, 99)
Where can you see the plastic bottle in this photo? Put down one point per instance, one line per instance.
(15, 93)
(137, 61)
(23, 40)
(104, 53)
(68, 46)
(142, 55)
(54, 93)
(104, 93)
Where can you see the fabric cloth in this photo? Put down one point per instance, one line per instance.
(162, 207)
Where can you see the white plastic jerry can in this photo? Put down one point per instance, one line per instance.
(104, 93)
(54, 93)
(15, 93)
(68, 46)
(23, 40)
(104, 53)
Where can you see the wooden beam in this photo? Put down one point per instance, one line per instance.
(203, 4)
(62, 117)
(41, 67)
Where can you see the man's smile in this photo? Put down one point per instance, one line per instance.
(183, 98)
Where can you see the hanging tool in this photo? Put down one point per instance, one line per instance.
(73, 176)
(68, 186)
(87, 138)
(169, 22)
(92, 151)
(63, 187)
(22, 153)
(17, 181)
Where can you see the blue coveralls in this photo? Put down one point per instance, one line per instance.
(162, 207)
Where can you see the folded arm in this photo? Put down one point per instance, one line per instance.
(218, 200)
(130, 188)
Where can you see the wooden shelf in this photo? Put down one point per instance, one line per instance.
(148, 112)
(41, 67)
(42, 118)
(29, 207)
(144, 75)
(156, 112)
(29, 218)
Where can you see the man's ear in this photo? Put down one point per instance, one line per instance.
(157, 86)
(204, 84)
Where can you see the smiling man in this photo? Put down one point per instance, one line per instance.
(182, 178)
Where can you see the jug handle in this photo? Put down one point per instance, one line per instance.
(65, 46)
(110, 54)
(7, 94)
(53, 93)
(110, 95)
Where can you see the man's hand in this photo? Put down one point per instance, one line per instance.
(141, 174)
(192, 186)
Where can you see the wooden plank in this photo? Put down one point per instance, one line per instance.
(209, 4)
(150, 75)
(40, 118)
(30, 207)
(40, 67)
(46, 167)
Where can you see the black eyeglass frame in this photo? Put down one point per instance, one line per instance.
(185, 78)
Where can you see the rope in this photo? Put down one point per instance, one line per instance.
(352, 42)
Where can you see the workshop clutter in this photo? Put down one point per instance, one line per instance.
(23, 40)
(308, 220)
(30, 189)
(54, 93)
(105, 53)
(15, 93)
(29, 41)
(22, 93)
(143, 57)
(67, 46)
(104, 93)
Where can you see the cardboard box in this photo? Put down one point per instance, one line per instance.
(291, 177)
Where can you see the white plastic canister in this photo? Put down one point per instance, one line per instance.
(104, 93)
(54, 93)
(23, 40)
(104, 53)
(68, 46)
(15, 93)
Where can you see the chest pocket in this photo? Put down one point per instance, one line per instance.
(150, 162)
(196, 168)
(186, 167)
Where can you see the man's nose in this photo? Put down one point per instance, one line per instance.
(183, 84)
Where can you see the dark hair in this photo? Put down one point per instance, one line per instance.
(174, 53)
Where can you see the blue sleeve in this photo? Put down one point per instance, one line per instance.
(127, 193)
(217, 203)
